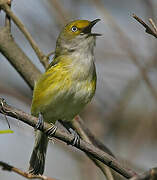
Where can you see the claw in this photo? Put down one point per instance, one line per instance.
(2, 103)
(51, 130)
(2, 108)
(40, 123)
(76, 138)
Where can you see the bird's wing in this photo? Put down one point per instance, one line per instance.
(53, 81)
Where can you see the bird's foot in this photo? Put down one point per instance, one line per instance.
(51, 131)
(76, 139)
(40, 123)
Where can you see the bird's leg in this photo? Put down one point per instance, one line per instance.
(76, 139)
(40, 123)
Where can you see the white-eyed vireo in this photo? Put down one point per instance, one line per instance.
(68, 84)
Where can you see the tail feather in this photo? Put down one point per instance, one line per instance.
(37, 161)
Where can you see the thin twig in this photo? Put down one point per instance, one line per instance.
(125, 43)
(153, 24)
(68, 138)
(7, 18)
(148, 29)
(43, 58)
(18, 59)
(7, 167)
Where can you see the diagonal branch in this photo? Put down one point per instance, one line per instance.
(7, 167)
(7, 18)
(67, 138)
(153, 24)
(82, 131)
(43, 58)
(148, 30)
(18, 59)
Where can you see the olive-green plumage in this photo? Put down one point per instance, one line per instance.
(68, 84)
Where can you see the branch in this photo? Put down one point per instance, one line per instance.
(77, 124)
(153, 24)
(7, 18)
(150, 175)
(85, 133)
(67, 138)
(18, 58)
(148, 30)
(43, 58)
(7, 167)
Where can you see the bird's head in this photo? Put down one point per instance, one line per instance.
(75, 35)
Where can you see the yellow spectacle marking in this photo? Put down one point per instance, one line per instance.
(7, 131)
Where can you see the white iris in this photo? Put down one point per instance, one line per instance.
(74, 29)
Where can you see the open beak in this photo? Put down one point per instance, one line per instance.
(87, 30)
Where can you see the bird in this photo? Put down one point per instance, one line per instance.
(67, 86)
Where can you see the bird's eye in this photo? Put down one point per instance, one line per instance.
(74, 29)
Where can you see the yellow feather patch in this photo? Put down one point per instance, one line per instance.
(79, 24)
(61, 87)
(54, 80)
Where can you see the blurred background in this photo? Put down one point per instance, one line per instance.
(123, 113)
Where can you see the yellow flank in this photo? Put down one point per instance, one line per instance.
(90, 86)
(54, 80)
(57, 79)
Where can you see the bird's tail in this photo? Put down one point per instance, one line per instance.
(37, 161)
